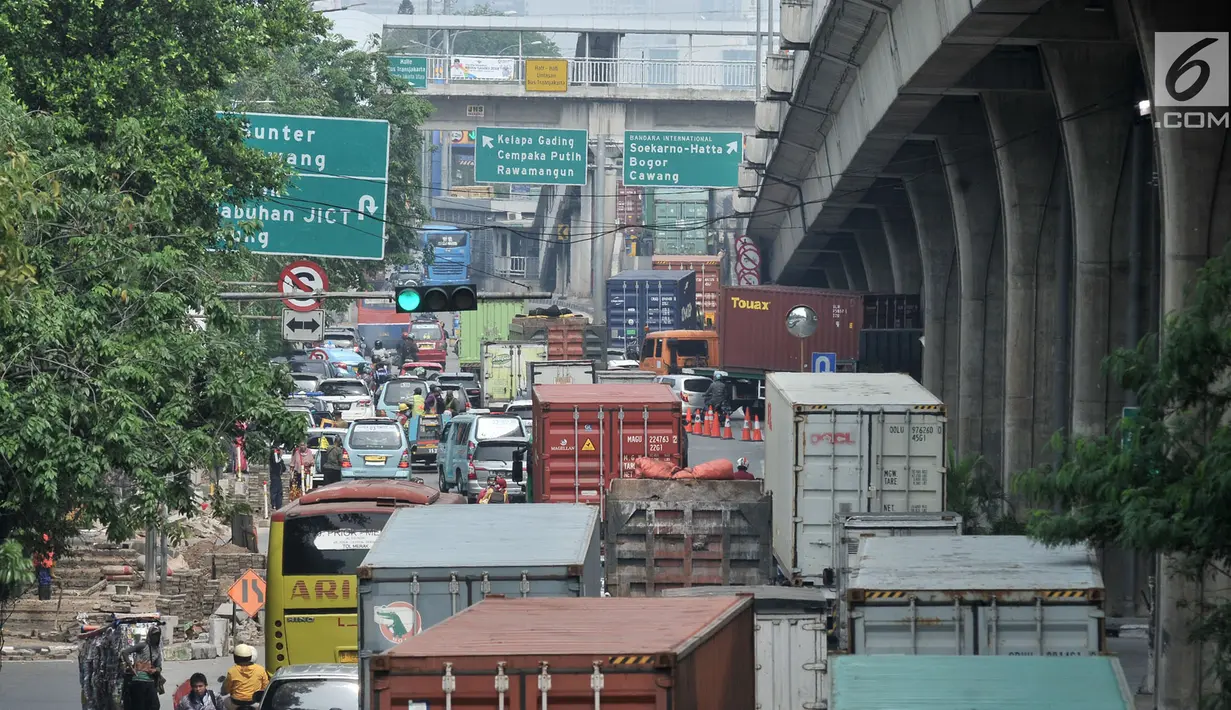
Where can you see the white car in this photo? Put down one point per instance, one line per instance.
(623, 365)
(348, 397)
(689, 388)
(523, 408)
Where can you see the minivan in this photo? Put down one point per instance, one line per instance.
(474, 446)
(376, 448)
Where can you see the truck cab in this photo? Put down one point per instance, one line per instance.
(667, 352)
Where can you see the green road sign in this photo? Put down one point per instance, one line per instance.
(330, 217)
(1126, 439)
(412, 70)
(335, 205)
(530, 156)
(682, 158)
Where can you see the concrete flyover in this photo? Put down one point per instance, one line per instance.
(991, 156)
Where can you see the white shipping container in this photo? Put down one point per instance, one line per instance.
(843, 443)
(974, 595)
(792, 648)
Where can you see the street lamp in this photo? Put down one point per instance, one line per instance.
(519, 47)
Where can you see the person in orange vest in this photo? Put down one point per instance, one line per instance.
(497, 492)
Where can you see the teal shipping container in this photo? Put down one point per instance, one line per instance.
(489, 322)
(679, 221)
(978, 683)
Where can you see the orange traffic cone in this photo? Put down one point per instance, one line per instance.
(715, 429)
(726, 429)
(756, 429)
(690, 422)
(708, 423)
(745, 435)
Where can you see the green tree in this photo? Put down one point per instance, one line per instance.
(1160, 483)
(973, 490)
(114, 163)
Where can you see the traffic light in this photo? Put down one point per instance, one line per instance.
(434, 299)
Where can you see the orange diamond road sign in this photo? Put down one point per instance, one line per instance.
(248, 592)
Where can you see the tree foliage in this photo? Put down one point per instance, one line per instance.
(974, 491)
(113, 162)
(1161, 483)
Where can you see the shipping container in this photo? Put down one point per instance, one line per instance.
(892, 311)
(505, 370)
(710, 277)
(840, 443)
(978, 683)
(752, 327)
(567, 337)
(853, 528)
(490, 321)
(640, 302)
(585, 436)
(575, 654)
(668, 534)
(975, 595)
(891, 351)
(406, 586)
(631, 377)
(562, 372)
(792, 643)
(679, 221)
(630, 205)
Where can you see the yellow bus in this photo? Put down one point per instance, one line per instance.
(315, 545)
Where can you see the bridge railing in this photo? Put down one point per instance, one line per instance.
(648, 73)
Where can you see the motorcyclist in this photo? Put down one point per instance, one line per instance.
(497, 492)
(716, 398)
(408, 349)
(244, 679)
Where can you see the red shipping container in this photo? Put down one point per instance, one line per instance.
(752, 327)
(650, 653)
(709, 279)
(587, 435)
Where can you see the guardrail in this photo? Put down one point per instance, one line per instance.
(648, 73)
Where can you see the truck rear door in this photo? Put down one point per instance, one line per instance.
(908, 462)
(832, 452)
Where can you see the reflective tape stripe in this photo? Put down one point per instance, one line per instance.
(630, 660)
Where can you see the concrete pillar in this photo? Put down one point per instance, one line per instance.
(974, 196)
(835, 273)
(904, 245)
(874, 253)
(852, 265)
(928, 198)
(1031, 169)
(1194, 168)
(1096, 142)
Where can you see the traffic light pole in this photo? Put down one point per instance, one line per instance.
(386, 295)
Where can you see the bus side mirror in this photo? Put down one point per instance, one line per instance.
(518, 466)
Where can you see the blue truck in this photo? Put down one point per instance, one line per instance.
(640, 302)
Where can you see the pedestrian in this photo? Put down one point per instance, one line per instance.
(44, 562)
(276, 468)
(331, 461)
(302, 463)
(245, 678)
(144, 662)
(200, 697)
(716, 398)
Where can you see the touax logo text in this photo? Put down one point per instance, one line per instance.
(737, 302)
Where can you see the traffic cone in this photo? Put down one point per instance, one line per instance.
(697, 421)
(709, 422)
(745, 435)
(690, 419)
(726, 429)
(756, 429)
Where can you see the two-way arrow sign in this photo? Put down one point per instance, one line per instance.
(303, 327)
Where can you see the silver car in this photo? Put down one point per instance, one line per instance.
(494, 458)
(314, 686)
(689, 388)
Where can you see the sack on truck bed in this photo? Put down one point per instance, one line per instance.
(653, 468)
(716, 470)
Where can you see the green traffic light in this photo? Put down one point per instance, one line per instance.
(408, 300)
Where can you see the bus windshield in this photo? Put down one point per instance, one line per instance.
(329, 543)
(446, 240)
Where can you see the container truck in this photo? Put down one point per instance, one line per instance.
(792, 643)
(523, 654)
(709, 271)
(664, 535)
(974, 595)
(844, 443)
(505, 370)
(489, 322)
(562, 372)
(640, 302)
(407, 586)
(978, 683)
(586, 436)
(892, 311)
(568, 337)
(752, 339)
